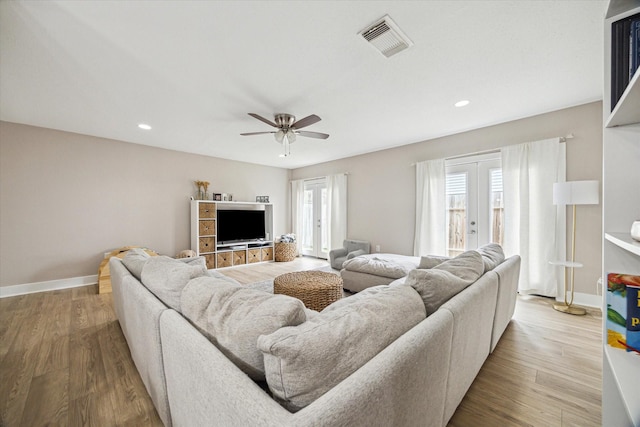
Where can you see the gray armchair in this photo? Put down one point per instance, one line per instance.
(351, 249)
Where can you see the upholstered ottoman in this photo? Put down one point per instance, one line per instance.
(365, 271)
(316, 289)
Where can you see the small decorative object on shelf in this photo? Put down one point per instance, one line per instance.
(217, 196)
(202, 193)
(623, 311)
(262, 199)
(635, 230)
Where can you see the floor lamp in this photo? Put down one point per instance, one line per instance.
(573, 193)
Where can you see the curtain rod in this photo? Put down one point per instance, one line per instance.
(320, 177)
(497, 150)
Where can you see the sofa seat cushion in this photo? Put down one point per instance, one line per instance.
(440, 283)
(232, 317)
(165, 277)
(304, 362)
(384, 265)
(492, 255)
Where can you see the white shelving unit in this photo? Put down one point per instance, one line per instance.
(620, 207)
(204, 233)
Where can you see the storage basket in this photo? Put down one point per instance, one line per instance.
(286, 251)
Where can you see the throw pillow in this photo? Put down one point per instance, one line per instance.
(232, 317)
(304, 362)
(439, 284)
(492, 255)
(430, 261)
(165, 277)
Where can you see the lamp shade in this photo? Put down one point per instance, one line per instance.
(279, 136)
(576, 193)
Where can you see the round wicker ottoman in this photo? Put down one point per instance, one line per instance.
(316, 289)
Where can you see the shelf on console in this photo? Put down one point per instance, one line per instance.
(573, 264)
(624, 241)
(626, 371)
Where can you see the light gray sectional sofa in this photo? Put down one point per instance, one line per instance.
(417, 377)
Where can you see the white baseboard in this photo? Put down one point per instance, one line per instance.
(587, 300)
(50, 285)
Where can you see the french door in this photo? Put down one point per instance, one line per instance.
(315, 235)
(475, 208)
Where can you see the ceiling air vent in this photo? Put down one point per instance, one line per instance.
(385, 36)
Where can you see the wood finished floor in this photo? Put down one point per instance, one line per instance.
(64, 361)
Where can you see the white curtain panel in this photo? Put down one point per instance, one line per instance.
(534, 228)
(431, 230)
(297, 206)
(337, 208)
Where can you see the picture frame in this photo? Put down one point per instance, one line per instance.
(217, 197)
(225, 197)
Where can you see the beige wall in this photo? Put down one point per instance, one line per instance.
(381, 185)
(66, 198)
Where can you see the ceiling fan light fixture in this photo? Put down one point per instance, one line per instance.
(279, 136)
(288, 129)
(291, 136)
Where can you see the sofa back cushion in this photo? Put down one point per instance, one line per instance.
(165, 277)
(440, 283)
(304, 362)
(136, 258)
(492, 255)
(232, 317)
(430, 261)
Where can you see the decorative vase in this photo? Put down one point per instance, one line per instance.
(635, 230)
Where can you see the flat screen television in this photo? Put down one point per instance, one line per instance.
(240, 225)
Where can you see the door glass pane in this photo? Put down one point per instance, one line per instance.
(456, 216)
(497, 207)
(324, 230)
(307, 221)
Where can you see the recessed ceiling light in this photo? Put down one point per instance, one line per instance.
(462, 103)
(144, 126)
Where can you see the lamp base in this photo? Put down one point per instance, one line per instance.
(578, 311)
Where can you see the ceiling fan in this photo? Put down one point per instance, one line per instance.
(287, 129)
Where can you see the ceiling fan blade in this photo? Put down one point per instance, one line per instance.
(307, 121)
(313, 134)
(262, 119)
(255, 133)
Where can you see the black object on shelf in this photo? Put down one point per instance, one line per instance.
(625, 54)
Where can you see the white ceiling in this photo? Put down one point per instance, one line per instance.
(194, 69)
